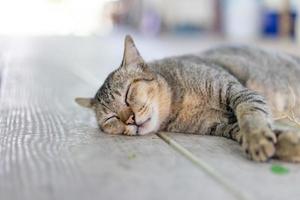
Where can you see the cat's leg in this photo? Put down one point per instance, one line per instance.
(288, 144)
(231, 131)
(255, 122)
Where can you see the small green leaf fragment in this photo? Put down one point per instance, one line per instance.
(280, 170)
(131, 156)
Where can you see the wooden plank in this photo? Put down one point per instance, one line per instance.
(52, 149)
(255, 180)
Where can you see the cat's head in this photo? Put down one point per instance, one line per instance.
(131, 95)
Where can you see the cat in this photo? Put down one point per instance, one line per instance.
(229, 91)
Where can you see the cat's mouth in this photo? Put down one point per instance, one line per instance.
(142, 126)
(144, 122)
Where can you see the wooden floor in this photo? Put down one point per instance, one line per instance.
(52, 149)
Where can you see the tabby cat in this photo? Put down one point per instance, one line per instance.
(228, 91)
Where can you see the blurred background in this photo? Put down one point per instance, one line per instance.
(86, 36)
(230, 19)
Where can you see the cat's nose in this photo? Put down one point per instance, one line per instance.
(131, 120)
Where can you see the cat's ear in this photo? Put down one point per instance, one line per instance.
(131, 54)
(85, 102)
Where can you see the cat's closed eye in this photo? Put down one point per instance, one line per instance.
(109, 118)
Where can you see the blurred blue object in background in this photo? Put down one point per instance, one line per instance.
(271, 23)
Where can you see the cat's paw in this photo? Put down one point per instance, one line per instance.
(130, 130)
(259, 143)
(288, 145)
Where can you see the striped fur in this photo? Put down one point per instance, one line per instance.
(227, 91)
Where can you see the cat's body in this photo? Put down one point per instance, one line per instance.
(218, 92)
(197, 103)
(274, 75)
(199, 83)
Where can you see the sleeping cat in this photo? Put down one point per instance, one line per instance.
(226, 91)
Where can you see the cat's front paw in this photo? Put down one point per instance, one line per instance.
(259, 143)
(130, 130)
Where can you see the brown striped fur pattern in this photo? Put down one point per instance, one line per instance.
(227, 91)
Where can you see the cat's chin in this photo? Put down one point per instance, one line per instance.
(145, 128)
(149, 126)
